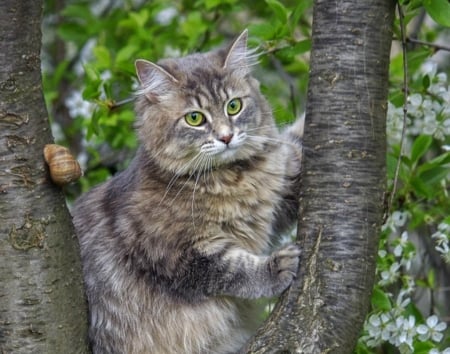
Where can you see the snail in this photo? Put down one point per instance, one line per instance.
(64, 168)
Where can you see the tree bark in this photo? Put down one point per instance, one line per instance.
(42, 303)
(343, 182)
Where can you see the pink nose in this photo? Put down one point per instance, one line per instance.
(226, 138)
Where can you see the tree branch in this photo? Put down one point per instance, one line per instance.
(343, 182)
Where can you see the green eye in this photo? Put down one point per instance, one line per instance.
(194, 119)
(234, 106)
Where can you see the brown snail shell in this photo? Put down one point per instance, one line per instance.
(64, 168)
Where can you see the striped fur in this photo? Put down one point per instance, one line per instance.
(177, 246)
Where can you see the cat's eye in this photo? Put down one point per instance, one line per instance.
(234, 106)
(195, 119)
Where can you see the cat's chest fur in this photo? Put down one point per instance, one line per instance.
(236, 203)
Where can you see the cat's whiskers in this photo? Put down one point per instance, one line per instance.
(205, 158)
(206, 171)
(176, 176)
(197, 161)
(264, 139)
(263, 127)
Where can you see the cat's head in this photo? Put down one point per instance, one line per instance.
(202, 110)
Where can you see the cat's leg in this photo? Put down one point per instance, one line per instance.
(286, 212)
(236, 272)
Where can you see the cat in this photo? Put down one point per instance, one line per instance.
(175, 247)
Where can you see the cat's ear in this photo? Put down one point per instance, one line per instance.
(239, 57)
(155, 81)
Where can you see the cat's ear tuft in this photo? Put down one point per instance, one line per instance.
(239, 57)
(155, 81)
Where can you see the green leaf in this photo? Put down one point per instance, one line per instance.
(91, 72)
(380, 300)
(391, 164)
(421, 188)
(417, 58)
(194, 27)
(140, 17)
(298, 11)
(423, 347)
(426, 82)
(210, 4)
(435, 175)
(263, 31)
(439, 10)
(420, 147)
(126, 53)
(103, 57)
(72, 32)
(289, 53)
(442, 160)
(278, 9)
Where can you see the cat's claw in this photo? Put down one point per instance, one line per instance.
(283, 265)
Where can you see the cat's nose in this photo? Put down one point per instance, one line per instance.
(226, 138)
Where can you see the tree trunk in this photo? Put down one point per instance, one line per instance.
(42, 303)
(343, 182)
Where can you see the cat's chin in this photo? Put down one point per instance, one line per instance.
(228, 155)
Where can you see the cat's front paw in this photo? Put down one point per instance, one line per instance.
(283, 265)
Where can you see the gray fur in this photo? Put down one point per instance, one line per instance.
(175, 246)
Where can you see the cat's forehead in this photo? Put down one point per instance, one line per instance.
(203, 75)
(195, 66)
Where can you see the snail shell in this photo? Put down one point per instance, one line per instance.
(63, 167)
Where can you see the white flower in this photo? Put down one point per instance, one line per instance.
(442, 248)
(432, 329)
(377, 328)
(402, 242)
(430, 123)
(395, 220)
(403, 332)
(391, 275)
(429, 68)
(399, 218)
(442, 239)
(410, 285)
(78, 106)
(165, 16)
(415, 100)
(106, 75)
(394, 123)
(401, 301)
(442, 78)
(444, 227)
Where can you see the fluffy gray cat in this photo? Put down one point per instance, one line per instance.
(176, 246)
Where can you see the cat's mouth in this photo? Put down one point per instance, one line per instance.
(224, 151)
(229, 153)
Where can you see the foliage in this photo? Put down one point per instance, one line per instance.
(414, 257)
(89, 79)
(102, 41)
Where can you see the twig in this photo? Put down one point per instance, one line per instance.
(405, 109)
(113, 104)
(429, 44)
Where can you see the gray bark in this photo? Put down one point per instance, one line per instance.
(42, 303)
(343, 182)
